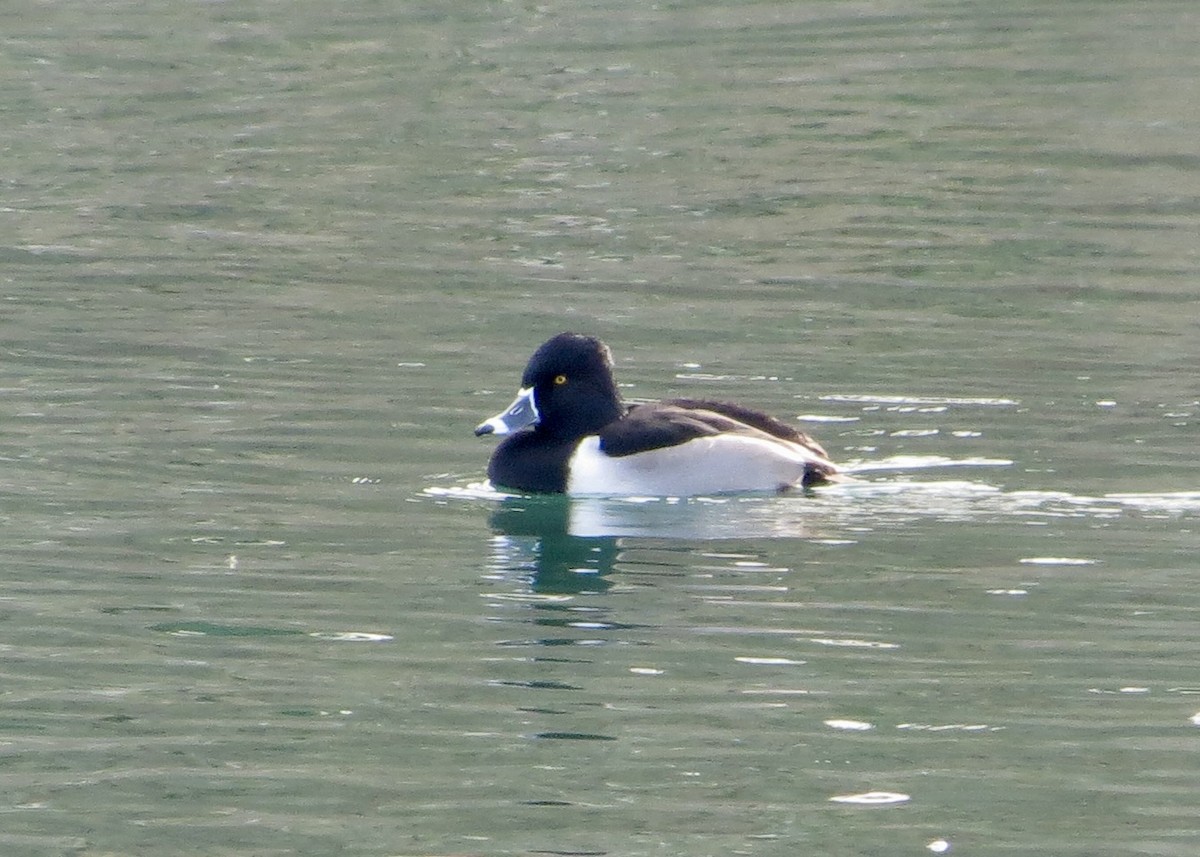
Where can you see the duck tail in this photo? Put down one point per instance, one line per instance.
(823, 473)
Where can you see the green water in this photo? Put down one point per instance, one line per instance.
(264, 267)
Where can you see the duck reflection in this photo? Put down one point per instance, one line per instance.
(569, 545)
(534, 538)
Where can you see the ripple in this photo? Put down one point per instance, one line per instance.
(1056, 560)
(823, 514)
(710, 376)
(873, 798)
(212, 629)
(917, 400)
(925, 462)
(779, 691)
(535, 597)
(471, 491)
(948, 727)
(352, 636)
(850, 725)
(1176, 501)
(853, 644)
(574, 736)
(825, 418)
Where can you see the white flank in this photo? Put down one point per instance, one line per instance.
(721, 464)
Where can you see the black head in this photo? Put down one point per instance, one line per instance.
(573, 386)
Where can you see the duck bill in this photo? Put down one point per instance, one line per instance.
(521, 413)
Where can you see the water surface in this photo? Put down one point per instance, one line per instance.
(265, 268)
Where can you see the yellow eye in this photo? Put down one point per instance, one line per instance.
(559, 380)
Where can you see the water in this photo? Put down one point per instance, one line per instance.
(265, 268)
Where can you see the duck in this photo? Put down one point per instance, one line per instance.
(569, 432)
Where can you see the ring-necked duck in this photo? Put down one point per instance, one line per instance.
(569, 432)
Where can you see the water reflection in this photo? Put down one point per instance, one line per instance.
(568, 545)
(534, 539)
(556, 545)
